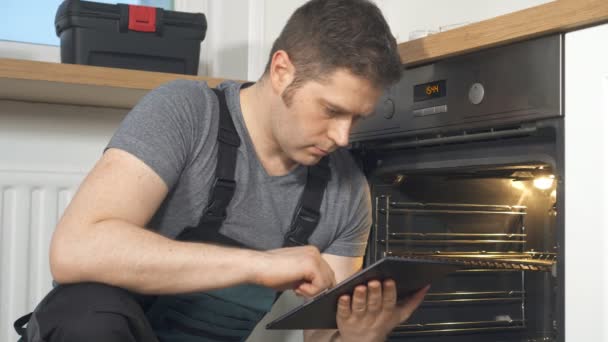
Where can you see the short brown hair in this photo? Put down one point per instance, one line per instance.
(324, 35)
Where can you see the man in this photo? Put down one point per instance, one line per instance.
(132, 253)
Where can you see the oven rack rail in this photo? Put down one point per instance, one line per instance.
(472, 261)
(453, 208)
(472, 297)
(458, 327)
(432, 296)
(533, 255)
(436, 235)
(434, 242)
(453, 239)
(486, 255)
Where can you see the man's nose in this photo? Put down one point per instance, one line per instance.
(339, 130)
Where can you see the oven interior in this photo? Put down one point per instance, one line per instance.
(490, 199)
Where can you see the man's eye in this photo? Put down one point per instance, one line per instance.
(331, 111)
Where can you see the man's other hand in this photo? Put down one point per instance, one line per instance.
(373, 311)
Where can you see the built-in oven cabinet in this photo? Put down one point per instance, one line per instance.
(501, 153)
(466, 159)
(586, 193)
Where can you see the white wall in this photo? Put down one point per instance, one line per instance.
(32, 52)
(407, 16)
(225, 49)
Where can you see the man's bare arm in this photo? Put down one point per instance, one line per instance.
(101, 238)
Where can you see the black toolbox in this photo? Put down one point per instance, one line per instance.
(128, 36)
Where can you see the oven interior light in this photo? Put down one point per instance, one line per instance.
(544, 182)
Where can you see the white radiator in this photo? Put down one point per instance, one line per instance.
(31, 202)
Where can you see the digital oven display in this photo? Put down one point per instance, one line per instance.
(429, 91)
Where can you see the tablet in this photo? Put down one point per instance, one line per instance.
(409, 273)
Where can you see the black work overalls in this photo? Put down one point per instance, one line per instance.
(231, 314)
(227, 314)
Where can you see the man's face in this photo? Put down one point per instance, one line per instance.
(320, 115)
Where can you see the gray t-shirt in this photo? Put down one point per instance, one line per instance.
(173, 129)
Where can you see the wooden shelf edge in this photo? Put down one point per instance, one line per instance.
(69, 93)
(58, 83)
(554, 17)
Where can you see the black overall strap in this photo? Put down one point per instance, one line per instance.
(224, 185)
(19, 325)
(307, 214)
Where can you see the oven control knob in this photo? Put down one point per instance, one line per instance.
(388, 109)
(476, 93)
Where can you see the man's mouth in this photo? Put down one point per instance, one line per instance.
(321, 151)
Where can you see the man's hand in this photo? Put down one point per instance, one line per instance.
(373, 311)
(299, 268)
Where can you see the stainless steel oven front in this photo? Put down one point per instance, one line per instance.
(465, 157)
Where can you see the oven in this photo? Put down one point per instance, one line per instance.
(465, 158)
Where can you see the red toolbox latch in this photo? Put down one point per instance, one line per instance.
(142, 18)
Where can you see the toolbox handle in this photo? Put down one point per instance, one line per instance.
(141, 19)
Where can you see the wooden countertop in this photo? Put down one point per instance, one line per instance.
(80, 84)
(552, 17)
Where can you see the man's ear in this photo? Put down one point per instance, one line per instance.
(282, 71)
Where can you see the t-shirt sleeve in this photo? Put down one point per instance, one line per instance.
(164, 127)
(353, 233)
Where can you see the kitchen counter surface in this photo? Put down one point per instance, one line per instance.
(552, 17)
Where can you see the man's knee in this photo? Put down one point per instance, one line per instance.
(91, 312)
(94, 327)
